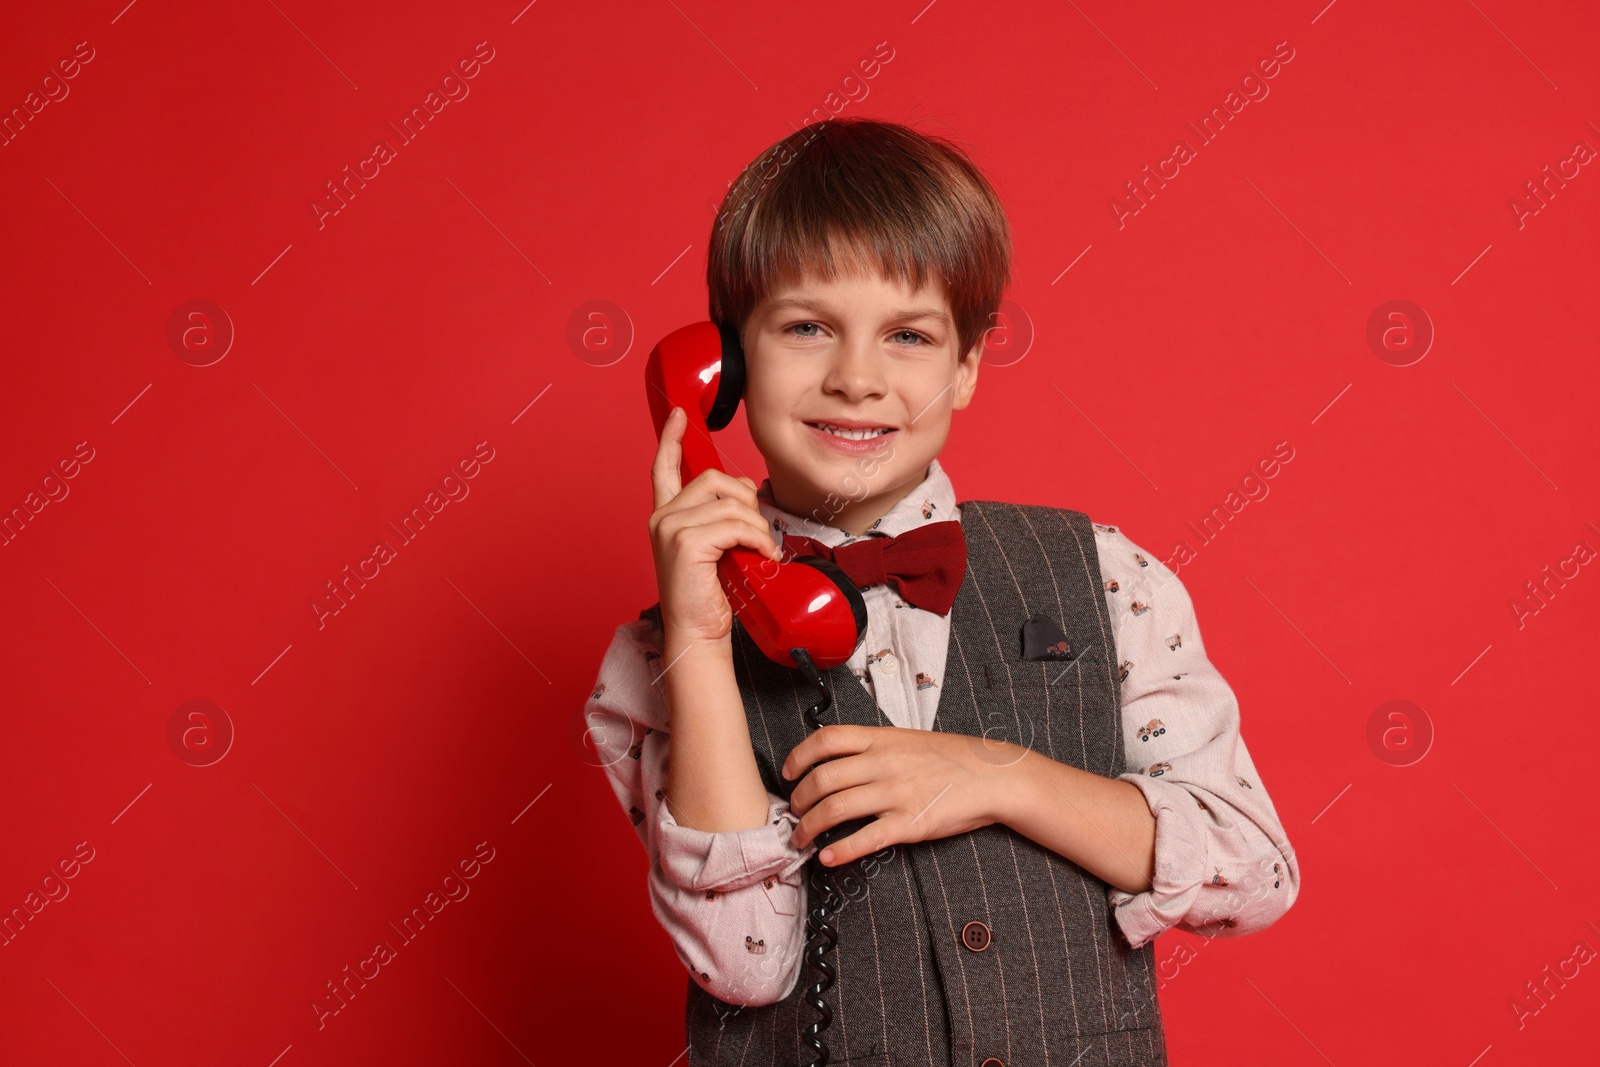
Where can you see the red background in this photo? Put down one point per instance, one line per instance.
(440, 707)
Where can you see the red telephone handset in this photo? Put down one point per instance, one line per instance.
(807, 603)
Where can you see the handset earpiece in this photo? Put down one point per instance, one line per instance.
(730, 379)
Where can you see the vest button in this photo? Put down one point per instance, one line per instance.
(975, 935)
(992, 1061)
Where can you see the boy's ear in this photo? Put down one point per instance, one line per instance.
(967, 377)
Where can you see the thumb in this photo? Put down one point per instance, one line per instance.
(666, 474)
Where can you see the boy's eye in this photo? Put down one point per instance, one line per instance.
(906, 336)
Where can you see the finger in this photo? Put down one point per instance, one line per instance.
(713, 484)
(666, 472)
(874, 837)
(866, 801)
(828, 778)
(719, 536)
(720, 510)
(835, 739)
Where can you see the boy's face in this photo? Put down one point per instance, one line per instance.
(864, 349)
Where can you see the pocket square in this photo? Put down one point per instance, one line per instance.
(1042, 639)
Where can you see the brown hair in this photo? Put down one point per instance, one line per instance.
(876, 191)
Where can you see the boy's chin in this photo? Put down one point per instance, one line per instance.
(823, 471)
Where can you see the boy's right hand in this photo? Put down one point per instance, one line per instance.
(690, 529)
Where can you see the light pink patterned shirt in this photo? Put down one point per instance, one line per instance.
(734, 903)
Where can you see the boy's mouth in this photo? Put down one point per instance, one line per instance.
(854, 432)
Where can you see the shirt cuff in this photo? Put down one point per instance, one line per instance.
(1182, 855)
(723, 862)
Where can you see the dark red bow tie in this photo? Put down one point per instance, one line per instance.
(927, 562)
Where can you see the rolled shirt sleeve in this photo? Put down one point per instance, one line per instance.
(732, 902)
(1223, 865)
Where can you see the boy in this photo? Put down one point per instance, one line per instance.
(1040, 767)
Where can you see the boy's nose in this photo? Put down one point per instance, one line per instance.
(854, 371)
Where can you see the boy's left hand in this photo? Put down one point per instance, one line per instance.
(921, 784)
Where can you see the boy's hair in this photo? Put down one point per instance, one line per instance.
(877, 193)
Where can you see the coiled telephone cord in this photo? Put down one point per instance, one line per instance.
(825, 896)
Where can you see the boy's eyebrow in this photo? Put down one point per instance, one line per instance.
(795, 303)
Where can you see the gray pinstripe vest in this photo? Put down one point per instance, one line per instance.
(1056, 985)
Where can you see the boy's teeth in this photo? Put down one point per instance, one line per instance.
(851, 435)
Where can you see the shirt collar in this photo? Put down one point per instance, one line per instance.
(932, 501)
